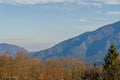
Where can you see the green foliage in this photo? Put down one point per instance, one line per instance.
(111, 65)
(111, 57)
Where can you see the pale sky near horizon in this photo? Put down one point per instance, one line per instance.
(40, 24)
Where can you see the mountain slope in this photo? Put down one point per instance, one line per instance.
(89, 46)
(11, 49)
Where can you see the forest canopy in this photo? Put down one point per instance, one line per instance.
(25, 67)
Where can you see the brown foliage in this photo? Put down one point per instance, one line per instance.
(24, 67)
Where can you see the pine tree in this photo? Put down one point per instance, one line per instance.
(111, 64)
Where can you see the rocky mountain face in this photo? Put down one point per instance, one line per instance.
(90, 46)
(11, 49)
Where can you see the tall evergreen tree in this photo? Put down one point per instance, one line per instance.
(111, 64)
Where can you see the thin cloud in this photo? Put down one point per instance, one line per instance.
(113, 13)
(32, 2)
(83, 20)
(81, 2)
(110, 2)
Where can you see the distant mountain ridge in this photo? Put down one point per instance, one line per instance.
(90, 46)
(11, 49)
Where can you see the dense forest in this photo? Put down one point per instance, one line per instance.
(25, 67)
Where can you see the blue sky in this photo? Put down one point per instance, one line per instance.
(40, 24)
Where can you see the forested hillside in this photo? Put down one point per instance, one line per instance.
(90, 46)
(24, 67)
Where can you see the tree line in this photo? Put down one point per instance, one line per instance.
(25, 67)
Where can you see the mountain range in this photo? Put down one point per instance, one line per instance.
(89, 46)
(11, 49)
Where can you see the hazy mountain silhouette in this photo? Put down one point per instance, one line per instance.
(89, 46)
(11, 49)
